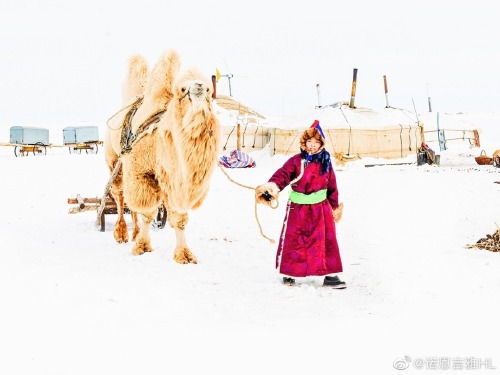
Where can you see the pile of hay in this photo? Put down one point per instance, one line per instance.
(491, 242)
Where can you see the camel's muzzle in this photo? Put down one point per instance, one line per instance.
(197, 91)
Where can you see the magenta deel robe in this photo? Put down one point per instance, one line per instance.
(308, 243)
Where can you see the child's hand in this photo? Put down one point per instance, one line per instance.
(266, 193)
(337, 213)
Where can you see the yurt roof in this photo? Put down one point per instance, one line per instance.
(235, 109)
(341, 116)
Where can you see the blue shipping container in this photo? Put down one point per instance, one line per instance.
(80, 134)
(29, 136)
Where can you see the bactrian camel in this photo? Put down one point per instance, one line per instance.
(169, 153)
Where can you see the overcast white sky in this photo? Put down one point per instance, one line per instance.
(65, 61)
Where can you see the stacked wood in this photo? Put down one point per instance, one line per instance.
(92, 204)
(491, 242)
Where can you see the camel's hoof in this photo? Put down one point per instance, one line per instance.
(121, 231)
(121, 234)
(141, 248)
(184, 256)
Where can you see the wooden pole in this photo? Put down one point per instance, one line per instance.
(214, 84)
(80, 201)
(386, 91)
(76, 210)
(353, 89)
(116, 170)
(429, 99)
(319, 96)
(238, 137)
(84, 200)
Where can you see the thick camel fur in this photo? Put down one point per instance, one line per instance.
(496, 158)
(132, 90)
(173, 160)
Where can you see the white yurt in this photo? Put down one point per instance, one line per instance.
(242, 128)
(352, 132)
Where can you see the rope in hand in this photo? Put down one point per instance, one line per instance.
(255, 208)
(302, 162)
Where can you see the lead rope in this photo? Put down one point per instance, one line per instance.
(255, 207)
(270, 205)
(120, 110)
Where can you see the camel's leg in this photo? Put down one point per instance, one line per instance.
(121, 232)
(143, 240)
(178, 221)
(137, 227)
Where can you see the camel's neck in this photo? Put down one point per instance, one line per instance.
(192, 145)
(200, 140)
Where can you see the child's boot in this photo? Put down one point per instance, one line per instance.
(334, 282)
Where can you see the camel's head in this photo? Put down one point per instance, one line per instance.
(193, 86)
(192, 104)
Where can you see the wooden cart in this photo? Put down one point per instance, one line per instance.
(21, 149)
(28, 140)
(36, 149)
(89, 147)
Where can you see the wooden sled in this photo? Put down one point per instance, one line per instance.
(93, 204)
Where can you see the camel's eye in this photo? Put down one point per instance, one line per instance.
(183, 89)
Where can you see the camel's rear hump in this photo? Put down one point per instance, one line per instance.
(135, 82)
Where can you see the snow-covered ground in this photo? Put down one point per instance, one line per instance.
(76, 302)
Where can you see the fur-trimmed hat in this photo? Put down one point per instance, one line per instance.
(314, 131)
(315, 124)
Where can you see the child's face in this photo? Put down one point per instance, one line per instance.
(312, 145)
